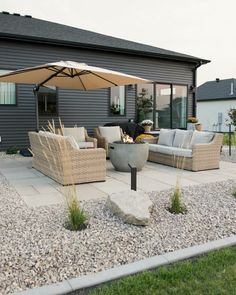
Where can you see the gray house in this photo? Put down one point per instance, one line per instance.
(26, 42)
(214, 100)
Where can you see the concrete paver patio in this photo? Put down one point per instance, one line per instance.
(37, 189)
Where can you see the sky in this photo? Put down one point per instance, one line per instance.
(202, 28)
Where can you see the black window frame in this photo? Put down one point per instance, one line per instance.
(110, 114)
(171, 101)
(16, 93)
(57, 105)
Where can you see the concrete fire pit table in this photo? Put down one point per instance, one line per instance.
(122, 154)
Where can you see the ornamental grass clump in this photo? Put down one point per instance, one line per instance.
(234, 193)
(176, 206)
(76, 216)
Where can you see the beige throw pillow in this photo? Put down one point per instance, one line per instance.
(182, 138)
(112, 133)
(76, 132)
(166, 137)
(201, 137)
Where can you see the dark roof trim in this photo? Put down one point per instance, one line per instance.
(99, 47)
(213, 99)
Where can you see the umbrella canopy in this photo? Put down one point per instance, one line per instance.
(70, 74)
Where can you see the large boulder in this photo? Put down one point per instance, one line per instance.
(131, 206)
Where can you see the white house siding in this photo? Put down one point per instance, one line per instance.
(208, 112)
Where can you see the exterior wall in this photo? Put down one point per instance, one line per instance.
(207, 113)
(88, 109)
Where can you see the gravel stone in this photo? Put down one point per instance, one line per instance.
(36, 249)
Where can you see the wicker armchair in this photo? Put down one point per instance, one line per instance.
(58, 157)
(81, 136)
(103, 142)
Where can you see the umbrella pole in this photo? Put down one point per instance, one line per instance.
(35, 90)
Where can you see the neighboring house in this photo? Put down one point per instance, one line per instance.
(214, 99)
(26, 42)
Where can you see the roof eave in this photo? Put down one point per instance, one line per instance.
(103, 48)
(216, 99)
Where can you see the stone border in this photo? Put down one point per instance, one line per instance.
(115, 273)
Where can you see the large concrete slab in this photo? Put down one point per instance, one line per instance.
(37, 189)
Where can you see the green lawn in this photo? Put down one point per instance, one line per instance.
(226, 139)
(213, 274)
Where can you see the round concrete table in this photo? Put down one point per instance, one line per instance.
(122, 154)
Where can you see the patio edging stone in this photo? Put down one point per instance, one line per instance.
(92, 280)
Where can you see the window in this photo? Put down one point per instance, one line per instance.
(179, 106)
(47, 101)
(7, 92)
(163, 106)
(117, 100)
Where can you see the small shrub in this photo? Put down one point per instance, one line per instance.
(176, 206)
(234, 193)
(226, 139)
(76, 218)
(12, 150)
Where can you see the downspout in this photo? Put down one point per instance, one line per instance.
(195, 88)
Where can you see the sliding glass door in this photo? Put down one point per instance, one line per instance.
(163, 106)
(168, 108)
(179, 106)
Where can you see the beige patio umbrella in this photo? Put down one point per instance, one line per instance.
(69, 74)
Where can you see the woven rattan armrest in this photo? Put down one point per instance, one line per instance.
(101, 141)
(91, 139)
(88, 153)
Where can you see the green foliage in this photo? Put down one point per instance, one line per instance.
(209, 275)
(232, 116)
(176, 206)
(144, 104)
(226, 139)
(12, 150)
(76, 218)
(234, 192)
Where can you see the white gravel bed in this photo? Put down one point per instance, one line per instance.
(35, 248)
(225, 154)
(3, 155)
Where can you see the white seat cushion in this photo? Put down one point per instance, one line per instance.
(77, 132)
(187, 153)
(170, 150)
(86, 144)
(201, 137)
(182, 138)
(174, 151)
(111, 133)
(166, 137)
(160, 149)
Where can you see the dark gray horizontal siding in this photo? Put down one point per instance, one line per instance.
(88, 109)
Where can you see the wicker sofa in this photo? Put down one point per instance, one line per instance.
(60, 158)
(190, 150)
